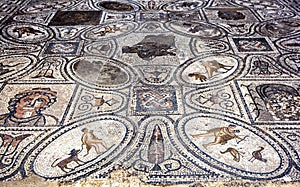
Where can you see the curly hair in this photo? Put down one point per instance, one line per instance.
(42, 91)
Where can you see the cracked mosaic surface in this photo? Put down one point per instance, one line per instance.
(175, 92)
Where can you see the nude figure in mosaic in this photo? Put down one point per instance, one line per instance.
(25, 109)
(222, 135)
(90, 140)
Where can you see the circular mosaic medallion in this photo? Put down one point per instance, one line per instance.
(100, 72)
(209, 70)
(196, 29)
(14, 66)
(93, 144)
(117, 6)
(232, 146)
(291, 44)
(27, 33)
(183, 6)
(291, 62)
(42, 6)
(104, 32)
(279, 27)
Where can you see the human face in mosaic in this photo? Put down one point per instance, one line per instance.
(30, 105)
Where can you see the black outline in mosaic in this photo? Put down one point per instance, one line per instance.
(127, 69)
(239, 66)
(220, 46)
(87, 106)
(30, 29)
(8, 76)
(200, 156)
(294, 69)
(291, 44)
(90, 35)
(98, 163)
(194, 27)
(112, 43)
(193, 102)
(135, 6)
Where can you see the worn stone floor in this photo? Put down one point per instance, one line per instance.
(150, 92)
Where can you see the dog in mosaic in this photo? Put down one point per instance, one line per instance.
(89, 140)
(63, 164)
(27, 31)
(235, 153)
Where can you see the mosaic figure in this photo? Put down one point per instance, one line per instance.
(26, 109)
(156, 147)
(282, 101)
(9, 148)
(213, 66)
(152, 46)
(116, 6)
(231, 15)
(26, 30)
(235, 153)
(256, 155)
(89, 140)
(222, 135)
(63, 164)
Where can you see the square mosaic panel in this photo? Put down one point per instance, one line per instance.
(70, 18)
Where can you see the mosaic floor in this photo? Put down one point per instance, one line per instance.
(172, 92)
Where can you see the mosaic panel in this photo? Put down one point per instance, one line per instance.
(170, 92)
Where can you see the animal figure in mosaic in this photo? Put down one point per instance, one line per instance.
(184, 6)
(222, 135)
(213, 66)
(231, 15)
(108, 29)
(63, 164)
(235, 153)
(9, 147)
(256, 155)
(152, 46)
(261, 66)
(116, 6)
(198, 76)
(89, 140)
(27, 31)
(281, 27)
